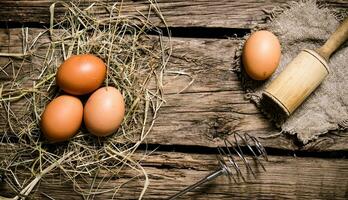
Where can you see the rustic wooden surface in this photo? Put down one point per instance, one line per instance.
(213, 105)
(287, 177)
(178, 13)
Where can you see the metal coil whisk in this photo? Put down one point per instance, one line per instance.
(239, 149)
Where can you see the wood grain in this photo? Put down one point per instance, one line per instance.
(213, 105)
(178, 13)
(285, 178)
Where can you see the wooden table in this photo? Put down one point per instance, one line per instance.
(212, 105)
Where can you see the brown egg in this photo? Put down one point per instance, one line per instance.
(104, 111)
(261, 55)
(62, 118)
(81, 74)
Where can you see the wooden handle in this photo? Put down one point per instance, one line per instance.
(335, 40)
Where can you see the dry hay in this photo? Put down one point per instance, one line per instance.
(136, 62)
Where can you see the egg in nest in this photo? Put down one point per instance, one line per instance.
(81, 74)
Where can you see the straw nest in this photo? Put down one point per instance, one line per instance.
(136, 63)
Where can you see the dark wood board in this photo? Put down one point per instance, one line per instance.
(178, 13)
(285, 178)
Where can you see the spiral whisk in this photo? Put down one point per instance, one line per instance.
(234, 160)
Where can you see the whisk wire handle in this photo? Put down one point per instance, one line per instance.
(208, 178)
(227, 161)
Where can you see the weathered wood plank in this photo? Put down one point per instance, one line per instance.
(169, 172)
(179, 13)
(214, 104)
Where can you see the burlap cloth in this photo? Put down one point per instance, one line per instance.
(299, 26)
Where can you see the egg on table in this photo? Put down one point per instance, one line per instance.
(81, 74)
(62, 118)
(261, 55)
(104, 111)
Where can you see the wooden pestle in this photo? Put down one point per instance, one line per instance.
(305, 73)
